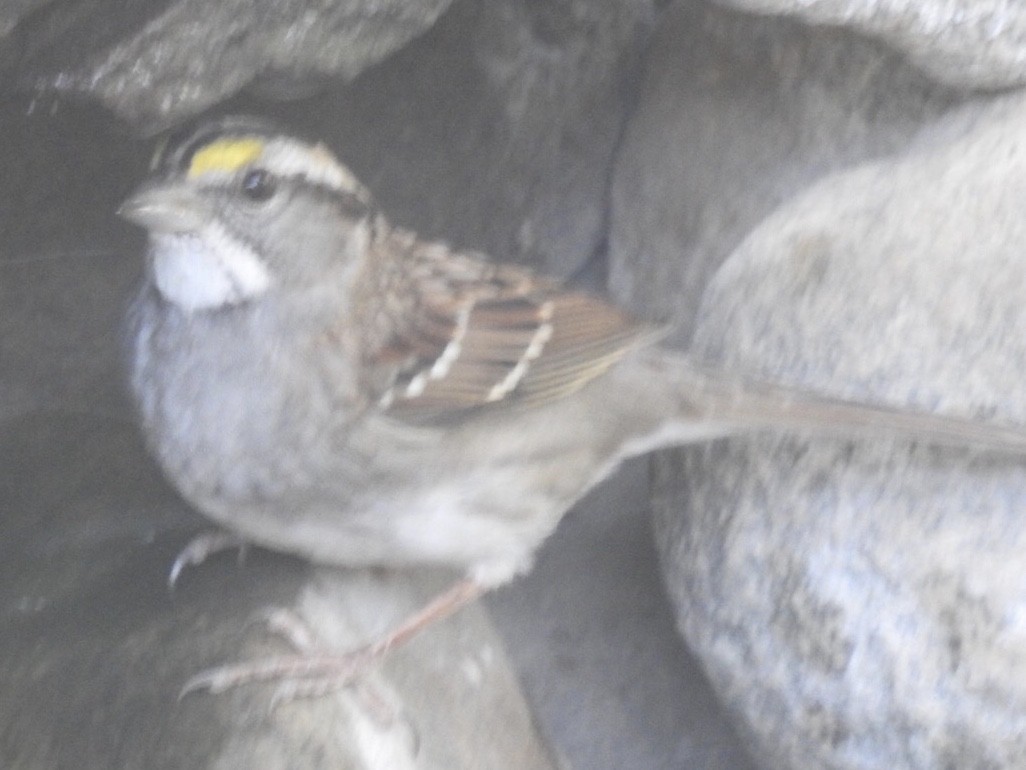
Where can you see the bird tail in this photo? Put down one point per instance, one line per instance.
(730, 404)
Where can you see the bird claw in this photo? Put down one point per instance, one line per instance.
(200, 548)
(290, 690)
(375, 705)
(289, 626)
(297, 676)
(213, 680)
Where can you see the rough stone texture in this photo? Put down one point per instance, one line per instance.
(737, 114)
(151, 62)
(95, 649)
(979, 44)
(14, 11)
(860, 606)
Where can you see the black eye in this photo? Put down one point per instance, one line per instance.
(258, 185)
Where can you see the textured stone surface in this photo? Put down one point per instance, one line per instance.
(95, 649)
(860, 606)
(15, 10)
(155, 62)
(965, 43)
(737, 114)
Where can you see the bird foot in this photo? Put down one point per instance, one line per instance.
(311, 672)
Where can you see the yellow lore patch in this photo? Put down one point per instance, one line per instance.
(225, 155)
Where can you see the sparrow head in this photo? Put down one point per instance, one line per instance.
(236, 208)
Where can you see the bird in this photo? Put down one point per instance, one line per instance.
(319, 381)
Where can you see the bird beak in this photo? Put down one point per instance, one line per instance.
(165, 208)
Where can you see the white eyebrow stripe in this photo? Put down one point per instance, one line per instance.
(287, 157)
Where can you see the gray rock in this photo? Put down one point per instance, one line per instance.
(860, 605)
(155, 62)
(95, 649)
(737, 114)
(14, 11)
(977, 44)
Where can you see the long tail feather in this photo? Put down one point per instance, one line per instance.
(739, 403)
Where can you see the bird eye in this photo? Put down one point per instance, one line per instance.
(258, 185)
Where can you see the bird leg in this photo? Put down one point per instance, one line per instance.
(309, 674)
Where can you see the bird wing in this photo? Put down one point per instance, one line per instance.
(482, 335)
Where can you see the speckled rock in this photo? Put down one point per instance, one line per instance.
(737, 114)
(965, 43)
(860, 606)
(155, 62)
(14, 11)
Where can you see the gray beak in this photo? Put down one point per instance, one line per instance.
(165, 208)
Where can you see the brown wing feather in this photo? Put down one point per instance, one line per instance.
(482, 335)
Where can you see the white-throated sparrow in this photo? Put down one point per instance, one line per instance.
(323, 383)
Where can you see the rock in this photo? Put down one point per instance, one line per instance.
(736, 115)
(14, 11)
(150, 62)
(95, 648)
(979, 44)
(860, 605)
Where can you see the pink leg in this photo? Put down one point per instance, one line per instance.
(324, 671)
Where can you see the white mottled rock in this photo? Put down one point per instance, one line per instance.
(863, 606)
(738, 114)
(965, 43)
(155, 63)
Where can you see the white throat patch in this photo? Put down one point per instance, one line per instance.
(207, 270)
